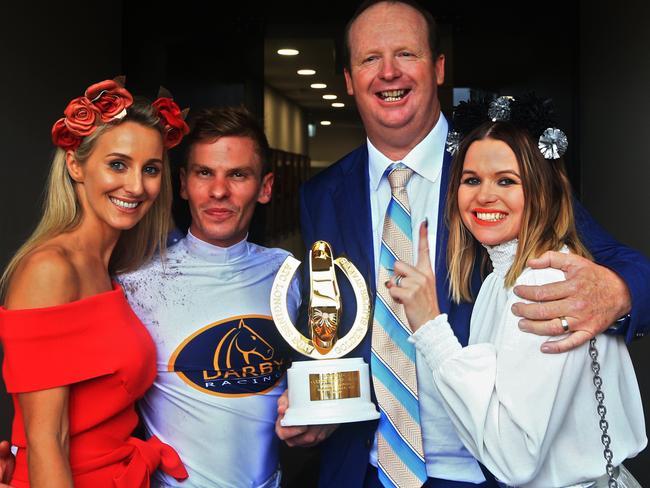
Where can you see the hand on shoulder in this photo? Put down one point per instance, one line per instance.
(590, 299)
(46, 277)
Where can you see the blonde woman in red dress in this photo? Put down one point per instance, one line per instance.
(76, 356)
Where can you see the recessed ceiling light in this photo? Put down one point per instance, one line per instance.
(338, 104)
(329, 96)
(318, 86)
(306, 72)
(325, 122)
(288, 52)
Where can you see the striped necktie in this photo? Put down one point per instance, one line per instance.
(399, 438)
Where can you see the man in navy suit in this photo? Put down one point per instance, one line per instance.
(393, 70)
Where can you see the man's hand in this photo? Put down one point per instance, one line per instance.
(7, 464)
(301, 435)
(591, 299)
(415, 286)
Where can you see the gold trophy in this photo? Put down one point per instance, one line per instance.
(330, 390)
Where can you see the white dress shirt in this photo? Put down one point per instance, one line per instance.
(445, 455)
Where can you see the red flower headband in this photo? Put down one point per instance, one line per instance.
(173, 118)
(106, 101)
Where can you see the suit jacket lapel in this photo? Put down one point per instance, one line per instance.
(352, 204)
(442, 236)
(459, 314)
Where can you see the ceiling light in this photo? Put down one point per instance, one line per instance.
(329, 96)
(288, 52)
(318, 86)
(338, 104)
(306, 72)
(325, 122)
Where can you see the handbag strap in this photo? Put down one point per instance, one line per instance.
(604, 425)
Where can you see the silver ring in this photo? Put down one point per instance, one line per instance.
(398, 280)
(565, 324)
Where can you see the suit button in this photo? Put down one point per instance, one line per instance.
(368, 443)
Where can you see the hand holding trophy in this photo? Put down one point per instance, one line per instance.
(329, 390)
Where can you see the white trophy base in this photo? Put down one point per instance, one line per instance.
(329, 391)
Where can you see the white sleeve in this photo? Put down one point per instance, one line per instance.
(506, 399)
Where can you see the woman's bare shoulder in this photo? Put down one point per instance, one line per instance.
(45, 277)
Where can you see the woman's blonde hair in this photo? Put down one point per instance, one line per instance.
(547, 220)
(63, 213)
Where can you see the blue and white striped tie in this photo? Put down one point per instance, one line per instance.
(399, 438)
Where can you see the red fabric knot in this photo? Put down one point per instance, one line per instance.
(146, 458)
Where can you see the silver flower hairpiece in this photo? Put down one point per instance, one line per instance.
(453, 141)
(553, 143)
(499, 109)
(528, 112)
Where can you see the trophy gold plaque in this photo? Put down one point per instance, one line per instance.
(332, 389)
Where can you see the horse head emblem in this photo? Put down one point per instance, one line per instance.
(242, 342)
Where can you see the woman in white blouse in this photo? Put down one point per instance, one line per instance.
(530, 418)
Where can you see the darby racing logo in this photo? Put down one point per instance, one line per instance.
(239, 356)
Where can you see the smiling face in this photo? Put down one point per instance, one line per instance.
(223, 182)
(393, 76)
(491, 195)
(122, 177)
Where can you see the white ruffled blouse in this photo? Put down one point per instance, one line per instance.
(530, 417)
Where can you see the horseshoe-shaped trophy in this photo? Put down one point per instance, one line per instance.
(332, 389)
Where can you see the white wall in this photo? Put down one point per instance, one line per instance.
(332, 142)
(284, 123)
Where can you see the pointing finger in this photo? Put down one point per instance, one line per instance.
(424, 261)
(402, 268)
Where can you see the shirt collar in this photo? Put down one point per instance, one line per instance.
(425, 159)
(213, 253)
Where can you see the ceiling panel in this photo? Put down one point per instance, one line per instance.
(280, 72)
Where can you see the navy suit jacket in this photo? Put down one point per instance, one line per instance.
(335, 207)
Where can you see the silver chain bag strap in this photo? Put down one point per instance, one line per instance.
(614, 474)
(604, 425)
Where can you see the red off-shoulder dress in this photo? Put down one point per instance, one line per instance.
(100, 349)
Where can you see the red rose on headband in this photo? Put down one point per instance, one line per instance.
(173, 137)
(80, 116)
(169, 111)
(62, 137)
(110, 98)
(172, 119)
(103, 102)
